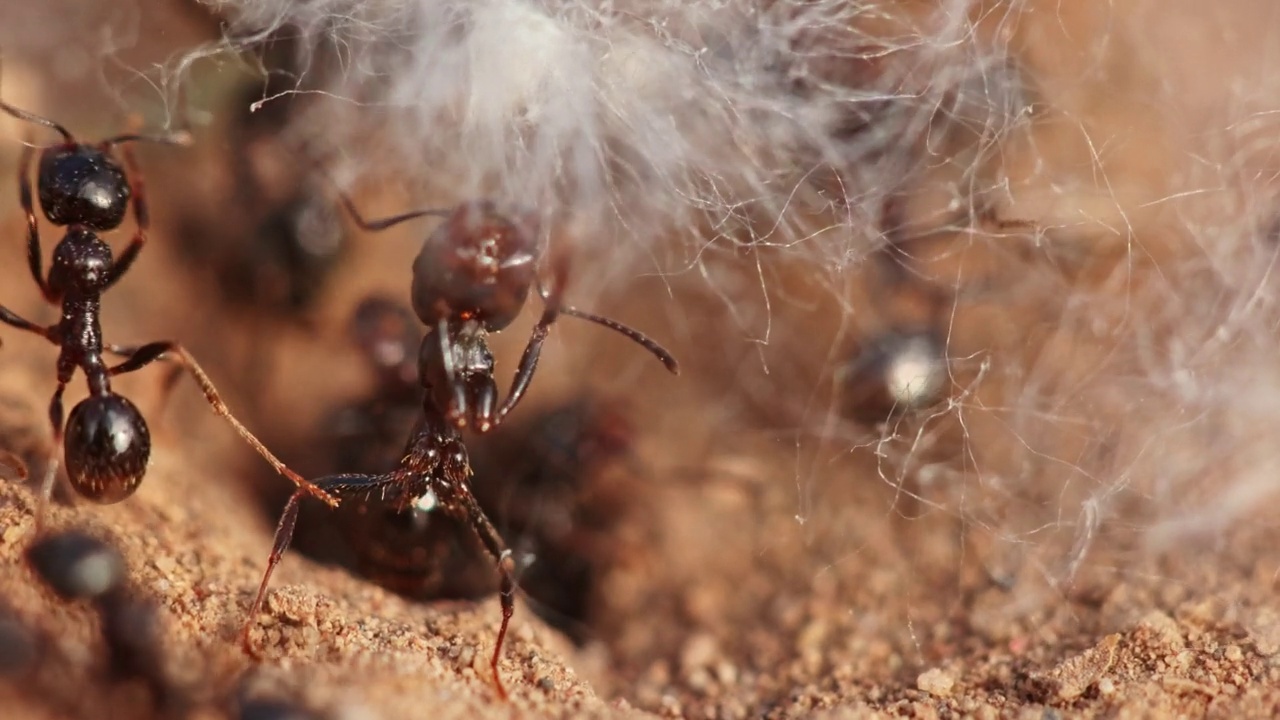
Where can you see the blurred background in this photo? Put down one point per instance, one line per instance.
(973, 306)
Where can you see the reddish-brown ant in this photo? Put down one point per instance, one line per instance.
(419, 552)
(471, 278)
(84, 188)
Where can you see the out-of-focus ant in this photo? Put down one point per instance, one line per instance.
(84, 188)
(78, 566)
(545, 483)
(902, 368)
(286, 238)
(471, 278)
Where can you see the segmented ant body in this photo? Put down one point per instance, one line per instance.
(275, 256)
(418, 552)
(471, 278)
(83, 188)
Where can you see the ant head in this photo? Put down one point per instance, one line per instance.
(83, 185)
(81, 263)
(77, 565)
(479, 263)
(388, 335)
(107, 448)
(460, 384)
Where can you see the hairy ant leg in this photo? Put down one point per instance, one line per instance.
(332, 484)
(472, 514)
(453, 497)
(141, 356)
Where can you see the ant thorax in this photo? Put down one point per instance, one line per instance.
(82, 263)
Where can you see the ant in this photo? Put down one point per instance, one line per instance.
(904, 367)
(79, 566)
(84, 188)
(472, 278)
(285, 242)
(419, 553)
(547, 483)
(388, 336)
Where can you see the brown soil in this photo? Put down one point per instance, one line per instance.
(757, 572)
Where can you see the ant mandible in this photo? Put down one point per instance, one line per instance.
(472, 278)
(84, 188)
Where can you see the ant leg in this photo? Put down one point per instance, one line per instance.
(284, 534)
(34, 259)
(493, 543)
(166, 385)
(529, 360)
(384, 223)
(533, 349)
(140, 357)
(13, 462)
(141, 214)
(51, 468)
(11, 318)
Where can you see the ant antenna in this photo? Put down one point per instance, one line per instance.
(386, 223)
(373, 225)
(639, 338)
(636, 336)
(36, 119)
(181, 138)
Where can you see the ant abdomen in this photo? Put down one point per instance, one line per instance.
(479, 263)
(107, 448)
(81, 184)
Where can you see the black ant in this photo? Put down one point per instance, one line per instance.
(370, 433)
(85, 189)
(79, 566)
(472, 278)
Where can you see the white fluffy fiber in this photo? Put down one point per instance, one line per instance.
(1153, 386)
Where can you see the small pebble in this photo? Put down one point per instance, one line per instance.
(936, 682)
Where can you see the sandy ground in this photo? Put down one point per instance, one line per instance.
(749, 570)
